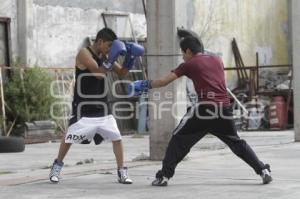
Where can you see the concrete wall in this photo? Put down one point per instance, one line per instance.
(258, 26)
(8, 8)
(134, 6)
(49, 33)
(58, 32)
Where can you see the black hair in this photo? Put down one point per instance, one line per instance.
(192, 43)
(106, 34)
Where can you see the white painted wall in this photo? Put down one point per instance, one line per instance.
(58, 32)
(54, 31)
(134, 6)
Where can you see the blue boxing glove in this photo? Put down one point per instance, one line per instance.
(134, 50)
(117, 48)
(136, 88)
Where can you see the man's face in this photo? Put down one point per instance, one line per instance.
(187, 55)
(104, 46)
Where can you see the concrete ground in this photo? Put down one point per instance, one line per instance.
(210, 171)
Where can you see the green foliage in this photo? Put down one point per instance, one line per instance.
(27, 95)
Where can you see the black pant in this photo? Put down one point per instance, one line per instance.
(195, 125)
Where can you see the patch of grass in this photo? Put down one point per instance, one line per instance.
(5, 172)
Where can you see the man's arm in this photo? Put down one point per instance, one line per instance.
(164, 81)
(119, 70)
(85, 59)
(140, 86)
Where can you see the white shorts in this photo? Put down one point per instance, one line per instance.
(98, 128)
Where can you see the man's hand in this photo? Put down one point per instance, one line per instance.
(137, 88)
(134, 50)
(117, 48)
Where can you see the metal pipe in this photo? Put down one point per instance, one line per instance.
(237, 100)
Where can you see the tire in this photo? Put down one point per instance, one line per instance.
(11, 144)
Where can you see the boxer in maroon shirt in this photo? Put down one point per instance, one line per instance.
(212, 114)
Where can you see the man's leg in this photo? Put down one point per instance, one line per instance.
(63, 150)
(122, 171)
(189, 131)
(118, 151)
(240, 148)
(58, 162)
(179, 146)
(225, 130)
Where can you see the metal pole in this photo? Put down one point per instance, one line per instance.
(238, 101)
(3, 102)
